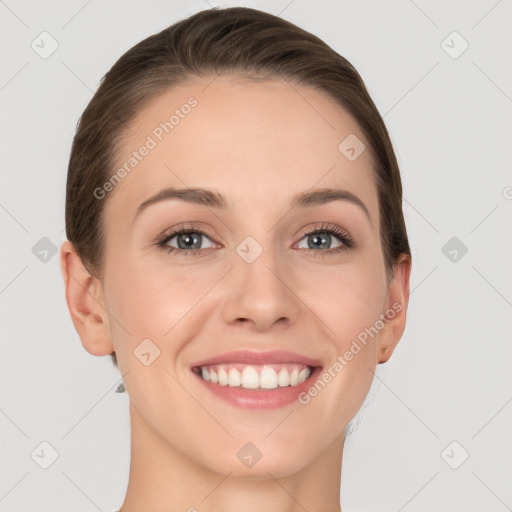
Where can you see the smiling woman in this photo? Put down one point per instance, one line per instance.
(251, 264)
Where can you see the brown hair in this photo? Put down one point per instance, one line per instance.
(236, 40)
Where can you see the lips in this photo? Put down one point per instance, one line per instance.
(284, 394)
(258, 358)
(245, 395)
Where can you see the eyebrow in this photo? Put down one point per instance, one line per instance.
(215, 199)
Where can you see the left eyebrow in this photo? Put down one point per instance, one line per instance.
(215, 199)
(327, 195)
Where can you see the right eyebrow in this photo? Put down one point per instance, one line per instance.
(191, 195)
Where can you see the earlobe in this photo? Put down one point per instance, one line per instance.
(84, 297)
(395, 308)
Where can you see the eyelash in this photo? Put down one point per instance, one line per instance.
(344, 237)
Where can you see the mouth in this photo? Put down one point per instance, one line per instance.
(252, 380)
(261, 377)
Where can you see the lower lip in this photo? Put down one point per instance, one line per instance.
(260, 399)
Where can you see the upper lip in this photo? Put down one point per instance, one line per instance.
(258, 358)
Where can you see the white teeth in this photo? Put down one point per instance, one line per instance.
(303, 375)
(294, 377)
(234, 377)
(223, 377)
(249, 378)
(268, 378)
(284, 378)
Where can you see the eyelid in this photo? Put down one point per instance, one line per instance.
(171, 232)
(327, 226)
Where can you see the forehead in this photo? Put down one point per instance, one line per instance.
(260, 141)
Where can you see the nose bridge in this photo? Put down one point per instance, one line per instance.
(260, 284)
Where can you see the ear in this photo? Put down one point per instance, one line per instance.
(86, 304)
(395, 305)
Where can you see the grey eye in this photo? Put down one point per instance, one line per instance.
(187, 241)
(319, 240)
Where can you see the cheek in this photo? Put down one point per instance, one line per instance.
(348, 300)
(153, 301)
(349, 309)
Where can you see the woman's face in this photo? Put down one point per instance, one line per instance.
(248, 277)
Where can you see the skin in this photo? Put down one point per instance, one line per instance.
(259, 144)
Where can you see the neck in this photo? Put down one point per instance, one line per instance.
(163, 478)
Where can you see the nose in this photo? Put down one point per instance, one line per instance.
(261, 293)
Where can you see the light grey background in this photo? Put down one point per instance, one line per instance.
(450, 377)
